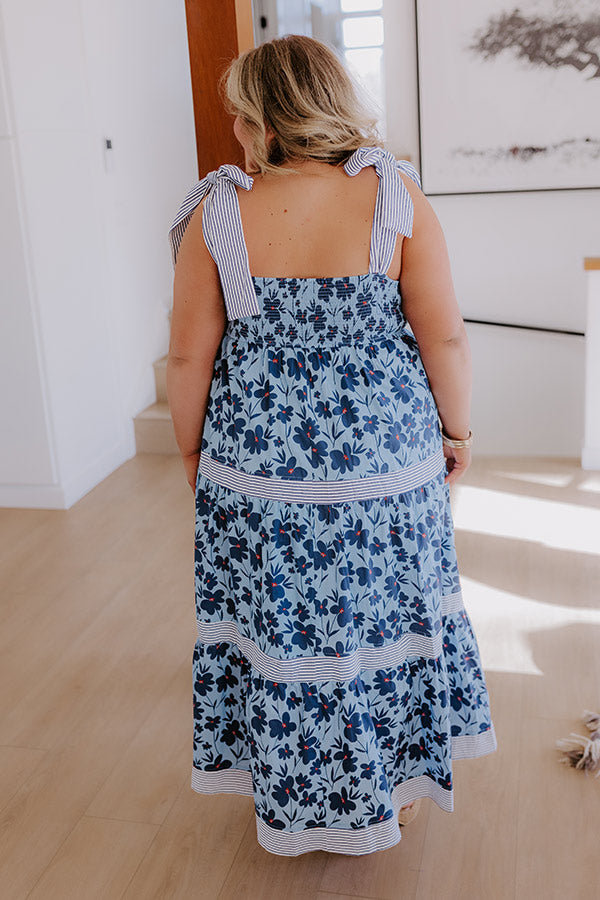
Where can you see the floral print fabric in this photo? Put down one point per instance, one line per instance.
(327, 383)
(336, 674)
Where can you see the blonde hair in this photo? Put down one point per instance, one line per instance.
(297, 87)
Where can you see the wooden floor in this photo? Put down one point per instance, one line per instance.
(98, 630)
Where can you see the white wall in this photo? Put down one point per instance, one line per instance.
(26, 447)
(84, 232)
(141, 96)
(516, 258)
(86, 269)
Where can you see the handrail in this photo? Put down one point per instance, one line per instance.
(525, 327)
(590, 264)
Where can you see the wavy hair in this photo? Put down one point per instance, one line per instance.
(298, 88)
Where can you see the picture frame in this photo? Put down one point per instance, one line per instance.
(508, 95)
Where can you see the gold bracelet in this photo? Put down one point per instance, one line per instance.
(456, 444)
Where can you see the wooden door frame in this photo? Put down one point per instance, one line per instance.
(218, 31)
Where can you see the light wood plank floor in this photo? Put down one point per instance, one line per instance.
(97, 636)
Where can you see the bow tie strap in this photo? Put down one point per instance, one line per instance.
(222, 230)
(394, 210)
(226, 174)
(233, 174)
(369, 156)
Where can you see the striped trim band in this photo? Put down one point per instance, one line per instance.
(327, 668)
(468, 746)
(452, 603)
(227, 781)
(291, 490)
(355, 841)
(322, 668)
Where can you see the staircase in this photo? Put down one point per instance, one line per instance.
(153, 426)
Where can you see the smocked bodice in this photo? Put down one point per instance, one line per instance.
(321, 312)
(326, 383)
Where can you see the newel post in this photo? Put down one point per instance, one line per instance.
(217, 31)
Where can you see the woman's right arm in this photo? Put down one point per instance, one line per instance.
(430, 306)
(197, 326)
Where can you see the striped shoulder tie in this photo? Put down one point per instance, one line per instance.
(394, 210)
(222, 230)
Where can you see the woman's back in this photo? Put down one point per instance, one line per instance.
(316, 223)
(303, 264)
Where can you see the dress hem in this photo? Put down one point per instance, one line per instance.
(351, 841)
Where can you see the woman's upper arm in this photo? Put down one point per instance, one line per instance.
(428, 299)
(199, 318)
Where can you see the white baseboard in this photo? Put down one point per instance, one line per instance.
(63, 496)
(32, 496)
(97, 471)
(590, 458)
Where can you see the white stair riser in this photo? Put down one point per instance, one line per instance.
(160, 379)
(154, 436)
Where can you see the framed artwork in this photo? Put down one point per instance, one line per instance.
(509, 95)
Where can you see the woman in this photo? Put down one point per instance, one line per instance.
(336, 672)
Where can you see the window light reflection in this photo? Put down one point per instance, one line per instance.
(367, 65)
(353, 6)
(363, 31)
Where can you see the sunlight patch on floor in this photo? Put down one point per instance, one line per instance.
(591, 484)
(502, 622)
(550, 479)
(565, 526)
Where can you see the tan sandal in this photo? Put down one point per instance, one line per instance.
(408, 813)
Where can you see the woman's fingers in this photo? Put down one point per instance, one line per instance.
(457, 463)
(190, 464)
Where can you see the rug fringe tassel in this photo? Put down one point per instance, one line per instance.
(583, 752)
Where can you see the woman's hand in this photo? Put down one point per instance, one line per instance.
(457, 462)
(190, 464)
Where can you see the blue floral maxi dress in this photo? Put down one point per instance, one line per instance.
(336, 673)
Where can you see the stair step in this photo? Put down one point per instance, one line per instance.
(160, 379)
(154, 430)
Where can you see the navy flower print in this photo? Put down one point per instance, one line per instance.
(336, 670)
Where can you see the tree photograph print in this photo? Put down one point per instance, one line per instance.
(509, 95)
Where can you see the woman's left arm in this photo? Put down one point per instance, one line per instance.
(198, 323)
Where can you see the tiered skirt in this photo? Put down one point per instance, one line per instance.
(336, 673)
